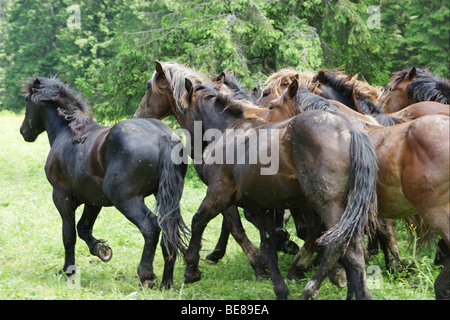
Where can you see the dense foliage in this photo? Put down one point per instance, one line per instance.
(106, 49)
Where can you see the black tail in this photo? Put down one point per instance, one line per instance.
(361, 208)
(170, 190)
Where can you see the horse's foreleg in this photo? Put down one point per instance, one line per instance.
(234, 223)
(217, 200)
(221, 246)
(85, 225)
(66, 206)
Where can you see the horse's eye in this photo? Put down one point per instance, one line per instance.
(270, 107)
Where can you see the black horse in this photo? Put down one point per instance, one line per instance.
(108, 166)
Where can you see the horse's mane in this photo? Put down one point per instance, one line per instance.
(176, 74)
(285, 77)
(69, 103)
(208, 95)
(426, 87)
(305, 100)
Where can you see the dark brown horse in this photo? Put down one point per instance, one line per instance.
(164, 94)
(108, 166)
(326, 167)
(413, 85)
(414, 175)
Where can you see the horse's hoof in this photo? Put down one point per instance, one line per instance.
(338, 278)
(103, 251)
(166, 284)
(148, 283)
(290, 247)
(295, 275)
(192, 277)
(213, 257)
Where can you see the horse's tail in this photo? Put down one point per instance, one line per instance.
(361, 207)
(170, 190)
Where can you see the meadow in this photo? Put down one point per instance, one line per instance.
(32, 253)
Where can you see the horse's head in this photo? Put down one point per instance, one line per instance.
(157, 102)
(284, 107)
(33, 124)
(395, 96)
(279, 81)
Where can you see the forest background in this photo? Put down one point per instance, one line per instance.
(106, 49)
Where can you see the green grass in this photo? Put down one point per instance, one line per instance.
(31, 249)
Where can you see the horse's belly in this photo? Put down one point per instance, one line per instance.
(269, 192)
(392, 203)
(90, 190)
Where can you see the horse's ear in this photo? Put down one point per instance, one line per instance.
(189, 87)
(320, 76)
(411, 74)
(159, 68)
(186, 64)
(37, 83)
(293, 87)
(220, 78)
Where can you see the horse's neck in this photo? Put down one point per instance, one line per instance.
(55, 125)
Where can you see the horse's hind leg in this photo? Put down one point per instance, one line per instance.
(139, 214)
(269, 252)
(169, 264)
(388, 243)
(97, 247)
(354, 264)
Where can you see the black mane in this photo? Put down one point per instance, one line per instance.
(426, 87)
(69, 103)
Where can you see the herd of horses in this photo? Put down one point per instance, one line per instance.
(351, 159)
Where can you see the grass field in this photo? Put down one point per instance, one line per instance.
(31, 249)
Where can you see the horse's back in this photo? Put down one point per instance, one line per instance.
(134, 153)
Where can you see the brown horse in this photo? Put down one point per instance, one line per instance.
(413, 85)
(364, 98)
(326, 167)
(413, 160)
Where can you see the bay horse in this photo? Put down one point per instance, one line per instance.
(108, 166)
(327, 168)
(413, 85)
(414, 175)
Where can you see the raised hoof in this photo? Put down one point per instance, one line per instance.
(338, 277)
(103, 251)
(213, 257)
(192, 277)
